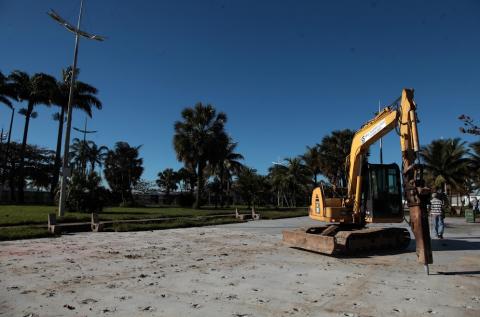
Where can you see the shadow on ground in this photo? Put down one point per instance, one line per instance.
(454, 245)
(460, 273)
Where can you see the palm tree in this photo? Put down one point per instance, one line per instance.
(196, 138)
(123, 169)
(334, 150)
(277, 176)
(475, 164)
(96, 155)
(6, 91)
(187, 178)
(446, 163)
(83, 98)
(227, 164)
(298, 178)
(79, 154)
(289, 180)
(249, 185)
(167, 181)
(313, 162)
(35, 90)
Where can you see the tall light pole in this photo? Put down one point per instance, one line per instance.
(65, 166)
(7, 152)
(85, 131)
(280, 163)
(381, 141)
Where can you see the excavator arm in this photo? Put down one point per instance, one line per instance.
(405, 119)
(368, 134)
(416, 193)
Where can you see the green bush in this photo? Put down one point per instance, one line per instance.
(186, 199)
(85, 194)
(130, 204)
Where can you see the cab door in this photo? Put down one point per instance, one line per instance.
(383, 196)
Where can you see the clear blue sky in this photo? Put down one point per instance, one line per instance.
(285, 72)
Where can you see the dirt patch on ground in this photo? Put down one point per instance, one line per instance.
(228, 271)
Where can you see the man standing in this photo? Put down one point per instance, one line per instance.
(438, 214)
(475, 204)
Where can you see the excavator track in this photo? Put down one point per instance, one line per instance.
(337, 240)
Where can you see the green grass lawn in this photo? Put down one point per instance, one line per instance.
(23, 232)
(12, 215)
(27, 221)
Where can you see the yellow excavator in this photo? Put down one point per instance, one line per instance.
(373, 194)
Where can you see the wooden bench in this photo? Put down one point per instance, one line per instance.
(250, 216)
(57, 228)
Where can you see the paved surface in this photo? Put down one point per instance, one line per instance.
(233, 270)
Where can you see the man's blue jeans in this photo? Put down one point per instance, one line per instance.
(438, 225)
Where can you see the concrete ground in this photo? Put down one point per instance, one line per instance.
(233, 270)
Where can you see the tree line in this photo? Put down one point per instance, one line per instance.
(212, 172)
(212, 165)
(26, 164)
(32, 91)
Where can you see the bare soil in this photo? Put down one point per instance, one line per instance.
(233, 270)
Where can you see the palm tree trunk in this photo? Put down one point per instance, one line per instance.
(58, 153)
(130, 190)
(286, 200)
(221, 189)
(11, 181)
(123, 197)
(167, 195)
(6, 155)
(228, 197)
(21, 176)
(192, 185)
(198, 194)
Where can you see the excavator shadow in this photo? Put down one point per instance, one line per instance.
(454, 245)
(362, 254)
(458, 273)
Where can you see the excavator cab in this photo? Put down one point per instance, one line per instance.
(382, 196)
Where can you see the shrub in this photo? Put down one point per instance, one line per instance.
(130, 204)
(85, 194)
(186, 199)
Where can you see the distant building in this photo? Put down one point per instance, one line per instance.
(464, 200)
(156, 197)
